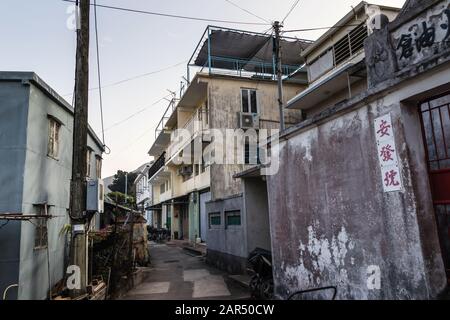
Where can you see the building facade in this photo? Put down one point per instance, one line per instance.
(144, 198)
(361, 200)
(36, 134)
(233, 82)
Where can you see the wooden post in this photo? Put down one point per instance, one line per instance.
(78, 255)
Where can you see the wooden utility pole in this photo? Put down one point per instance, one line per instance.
(277, 52)
(78, 252)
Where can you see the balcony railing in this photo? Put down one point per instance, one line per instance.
(157, 165)
(162, 123)
(196, 124)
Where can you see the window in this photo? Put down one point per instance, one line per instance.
(214, 219)
(40, 234)
(88, 162)
(98, 166)
(233, 218)
(249, 101)
(162, 188)
(53, 138)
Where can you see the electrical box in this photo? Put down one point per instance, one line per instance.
(95, 196)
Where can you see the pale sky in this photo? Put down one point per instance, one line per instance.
(34, 37)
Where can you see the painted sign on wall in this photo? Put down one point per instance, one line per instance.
(425, 36)
(387, 154)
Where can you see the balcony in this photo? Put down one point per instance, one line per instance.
(196, 124)
(160, 163)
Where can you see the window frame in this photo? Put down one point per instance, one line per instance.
(53, 141)
(89, 152)
(233, 213)
(214, 214)
(98, 166)
(249, 99)
(41, 229)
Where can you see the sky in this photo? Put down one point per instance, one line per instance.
(35, 36)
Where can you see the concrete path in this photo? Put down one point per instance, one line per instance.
(178, 275)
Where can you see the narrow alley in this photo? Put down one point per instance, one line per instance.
(179, 275)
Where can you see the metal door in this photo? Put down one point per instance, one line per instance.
(435, 114)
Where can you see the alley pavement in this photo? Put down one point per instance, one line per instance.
(177, 274)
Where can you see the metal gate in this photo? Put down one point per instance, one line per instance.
(435, 113)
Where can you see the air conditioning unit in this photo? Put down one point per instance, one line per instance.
(185, 171)
(248, 120)
(95, 196)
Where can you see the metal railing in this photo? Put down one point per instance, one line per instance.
(161, 162)
(162, 123)
(198, 122)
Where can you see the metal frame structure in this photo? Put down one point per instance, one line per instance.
(237, 62)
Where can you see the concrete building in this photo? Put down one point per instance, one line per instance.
(361, 202)
(36, 128)
(144, 198)
(234, 79)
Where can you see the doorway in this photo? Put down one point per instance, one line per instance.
(435, 115)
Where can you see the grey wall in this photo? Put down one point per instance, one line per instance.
(331, 222)
(227, 247)
(256, 214)
(13, 119)
(32, 177)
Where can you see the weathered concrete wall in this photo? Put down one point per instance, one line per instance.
(332, 223)
(33, 178)
(227, 247)
(47, 180)
(256, 214)
(224, 98)
(13, 119)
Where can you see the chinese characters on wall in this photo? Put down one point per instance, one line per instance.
(387, 154)
(425, 36)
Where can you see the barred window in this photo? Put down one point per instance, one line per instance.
(233, 218)
(40, 234)
(53, 138)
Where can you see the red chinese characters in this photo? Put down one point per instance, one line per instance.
(387, 154)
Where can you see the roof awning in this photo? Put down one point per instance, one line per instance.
(252, 51)
(323, 89)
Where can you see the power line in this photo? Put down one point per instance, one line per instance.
(98, 71)
(249, 12)
(290, 11)
(136, 113)
(172, 15)
(134, 77)
(321, 28)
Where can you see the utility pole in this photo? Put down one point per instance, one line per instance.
(277, 51)
(78, 250)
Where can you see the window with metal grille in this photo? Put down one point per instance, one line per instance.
(233, 218)
(215, 219)
(40, 233)
(436, 127)
(350, 44)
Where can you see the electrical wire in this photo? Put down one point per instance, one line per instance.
(172, 15)
(249, 12)
(98, 72)
(136, 113)
(133, 78)
(290, 11)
